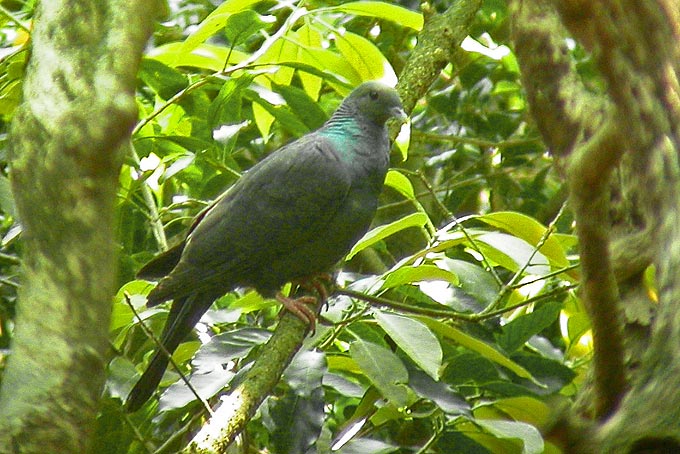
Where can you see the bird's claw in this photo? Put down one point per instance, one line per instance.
(300, 308)
(321, 283)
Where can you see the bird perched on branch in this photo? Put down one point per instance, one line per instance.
(292, 216)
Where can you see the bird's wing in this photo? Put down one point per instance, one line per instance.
(282, 203)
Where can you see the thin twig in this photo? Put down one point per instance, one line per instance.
(520, 272)
(474, 141)
(165, 351)
(8, 14)
(446, 313)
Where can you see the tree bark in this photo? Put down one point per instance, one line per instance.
(67, 141)
(635, 46)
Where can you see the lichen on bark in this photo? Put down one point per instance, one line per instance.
(67, 141)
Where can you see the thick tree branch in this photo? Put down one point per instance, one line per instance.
(636, 49)
(438, 43)
(590, 167)
(66, 141)
(239, 406)
(573, 124)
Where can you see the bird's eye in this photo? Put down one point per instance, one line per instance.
(374, 95)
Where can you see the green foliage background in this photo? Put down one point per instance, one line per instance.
(478, 334)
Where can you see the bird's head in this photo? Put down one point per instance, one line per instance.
(376, 102)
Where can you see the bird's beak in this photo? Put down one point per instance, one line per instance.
(399, 114)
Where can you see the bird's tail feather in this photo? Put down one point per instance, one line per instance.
(183, 316)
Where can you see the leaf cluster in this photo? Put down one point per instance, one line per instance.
(449, 334)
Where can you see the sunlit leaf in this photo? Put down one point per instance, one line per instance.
(332, 63)
(365, 58)
(384, 10)
(529, 435)
(309, 37)
(403, 139)
(413, 274)
(382, 232)
(204, 56)
(531, 231)
(522, 408)
(215, 22)
(400, 183)
(512, 253)
(240, 26)
(282, 115)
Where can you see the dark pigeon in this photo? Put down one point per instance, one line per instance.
(292, 216)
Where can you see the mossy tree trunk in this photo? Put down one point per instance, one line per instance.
(67, 141)
(619, 154)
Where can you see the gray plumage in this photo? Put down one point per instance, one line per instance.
(294, 214)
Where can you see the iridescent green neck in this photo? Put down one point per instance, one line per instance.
(341, 129)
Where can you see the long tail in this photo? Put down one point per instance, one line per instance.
(183, 316)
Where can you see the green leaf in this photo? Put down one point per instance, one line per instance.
(484, 349)
(365, 58)
(242, 25)
(282, 114)
(412, 274)
(529, 435)
(382, 232)
(163, 79)
(204, 56)
(512, 253)
(226, 107)
(531, 231)
(474, 280)
(525, 408)
(6, 197)
(215, 22)
(382, 10)
(383, 368)
(263, 119)
(333, 65)
(415, 339)
(309, 37)
(302, 106)
(400, 183)
(521, 329)
(403, 140)
(282, 50)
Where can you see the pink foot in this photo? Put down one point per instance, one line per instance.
(300, 308)
(318, 282)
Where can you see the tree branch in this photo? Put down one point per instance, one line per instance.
(239, 406)
(66, 150)
(573, 124)
(636, 50)
(438, 43)
(590, 167)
